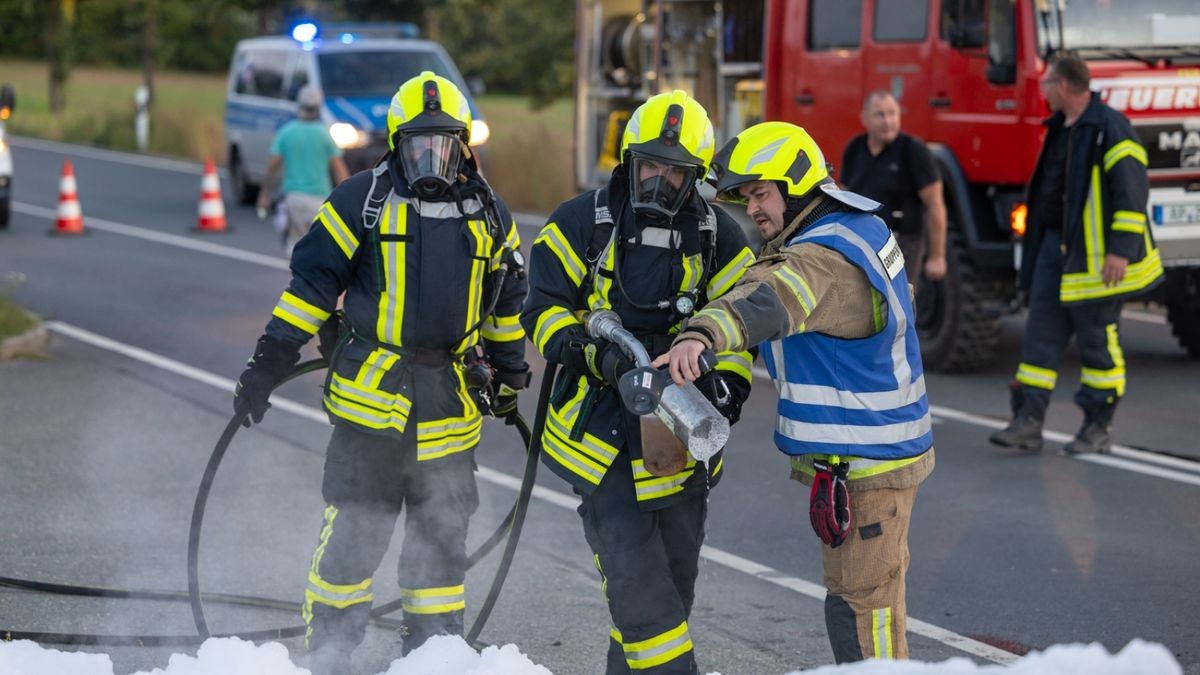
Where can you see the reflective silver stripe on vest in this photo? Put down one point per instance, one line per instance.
(815, 394)
(900, 366)
(886, 434)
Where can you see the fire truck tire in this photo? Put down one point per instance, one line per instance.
(1183, 308)
(957, 317)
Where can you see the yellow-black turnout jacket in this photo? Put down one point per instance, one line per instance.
(586, 425)
(414, 284)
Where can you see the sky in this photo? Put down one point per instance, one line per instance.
(450, 655)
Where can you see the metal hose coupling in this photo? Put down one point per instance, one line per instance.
(645, 390)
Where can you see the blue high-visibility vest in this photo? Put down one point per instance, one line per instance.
(862, 397)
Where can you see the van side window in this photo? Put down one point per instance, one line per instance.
(901, 20)
(266, 73)
(299, 78)
(834, 24)
(962, 23)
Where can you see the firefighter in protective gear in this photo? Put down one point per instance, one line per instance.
(649, 248)
(1088, 247)
(419, 246)
(830, 302)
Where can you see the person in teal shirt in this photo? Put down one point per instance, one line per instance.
(308, 156)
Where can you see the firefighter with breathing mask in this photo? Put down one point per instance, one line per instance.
(427, 257)
(830, 303)
(647, 247)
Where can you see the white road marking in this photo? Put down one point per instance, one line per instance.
(160, 237)
(148, 161)
(1130, 459)
(1122, 457)
(714, 555)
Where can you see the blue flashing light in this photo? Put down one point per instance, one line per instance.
(304, 32)
(346, 38)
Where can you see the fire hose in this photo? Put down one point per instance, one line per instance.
(509, 528)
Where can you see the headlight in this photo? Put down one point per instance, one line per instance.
(346, 135)
(479, 132)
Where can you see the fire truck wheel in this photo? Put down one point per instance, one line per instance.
(1183, 307)
(958, 317)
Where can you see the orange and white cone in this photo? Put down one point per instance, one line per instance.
(212, 208)
(70, 214)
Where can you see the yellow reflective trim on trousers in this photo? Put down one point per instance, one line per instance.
(881, 633)
(736, 362)
(389, 324)
(799, 286)
(299, 313)
(549, 322)
(660, 649)
(336, 227)
(860, 467)
(602, 285)
(1080, 286)
(717, 469)
(334, 595)
(554, 240)
(725, 324)
(503, 329)
(1126, 148)
(449, 439)
(720, 283)
(1034, 376)
(479, 264)
(433, 600)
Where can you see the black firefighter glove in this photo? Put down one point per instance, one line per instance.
(829, 503)
(271, 362)
(606, 362)
(506, 385)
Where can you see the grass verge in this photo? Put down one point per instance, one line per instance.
(13, 319)
(528, 158)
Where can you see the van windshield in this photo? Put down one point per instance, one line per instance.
(377, 74)
(1125, 27)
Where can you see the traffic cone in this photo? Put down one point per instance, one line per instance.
(212, 208)
(70, 214)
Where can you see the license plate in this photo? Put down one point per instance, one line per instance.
(1171, 214)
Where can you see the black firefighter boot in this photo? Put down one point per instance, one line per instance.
(1094, 436)
(1024, 432)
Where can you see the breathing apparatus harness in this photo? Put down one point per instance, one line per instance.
(608, 234)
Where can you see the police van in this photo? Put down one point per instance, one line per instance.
(358, 67)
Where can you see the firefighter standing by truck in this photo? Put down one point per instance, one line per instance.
(830, 297)
(649, 248)
(1087, 248)
(418, 245)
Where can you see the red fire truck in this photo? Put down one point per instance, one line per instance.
(966, 73)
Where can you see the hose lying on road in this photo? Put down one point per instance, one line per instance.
(509, 527)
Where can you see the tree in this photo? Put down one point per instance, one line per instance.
(58, 38)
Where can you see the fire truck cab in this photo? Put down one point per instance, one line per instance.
(966, 74)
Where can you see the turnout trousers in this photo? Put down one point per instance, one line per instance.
(1049, 327)
(648, 564)
(368, 478)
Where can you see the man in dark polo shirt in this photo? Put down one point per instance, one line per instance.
(897, 170)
